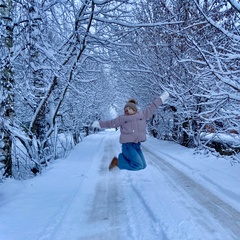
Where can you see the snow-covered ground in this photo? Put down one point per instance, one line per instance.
(179, 196)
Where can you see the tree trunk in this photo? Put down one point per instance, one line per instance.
(7, 85)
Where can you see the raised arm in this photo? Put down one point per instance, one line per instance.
(149, 111)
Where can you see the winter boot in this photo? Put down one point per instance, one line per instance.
(114, 163)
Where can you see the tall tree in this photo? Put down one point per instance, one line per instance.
(7, 83)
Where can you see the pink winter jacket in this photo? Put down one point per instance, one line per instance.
(133, 127)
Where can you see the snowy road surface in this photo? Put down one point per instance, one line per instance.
(79, 199)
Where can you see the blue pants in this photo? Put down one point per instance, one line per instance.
(131, 157)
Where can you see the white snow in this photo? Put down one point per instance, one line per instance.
(179, 196)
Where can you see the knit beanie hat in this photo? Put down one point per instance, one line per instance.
(132, 104)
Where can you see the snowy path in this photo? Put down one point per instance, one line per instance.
(89, 202)
(225, 214)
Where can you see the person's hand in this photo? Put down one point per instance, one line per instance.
(164, 96)
(96, 124)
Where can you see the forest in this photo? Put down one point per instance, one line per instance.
(66, 63)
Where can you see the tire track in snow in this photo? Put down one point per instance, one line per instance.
(143, 219)
(107, 207)
(144, 204)
(66, 222)
(225, 214)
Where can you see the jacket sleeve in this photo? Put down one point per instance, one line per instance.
(114, 123)
(149, 111)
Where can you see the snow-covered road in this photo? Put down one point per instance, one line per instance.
(88, 202)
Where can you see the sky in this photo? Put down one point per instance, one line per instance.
(179, 196)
